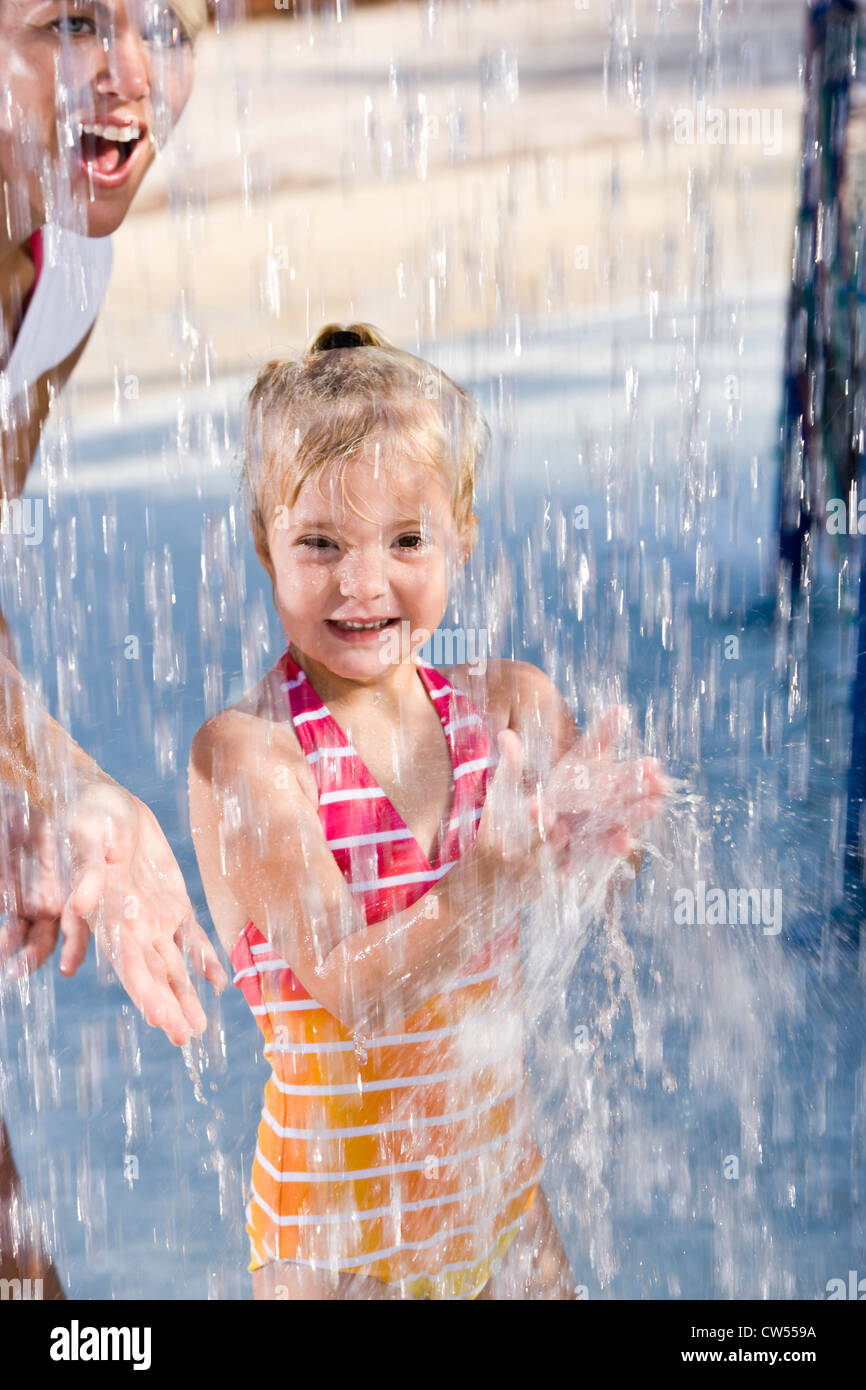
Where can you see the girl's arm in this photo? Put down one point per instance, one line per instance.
(517, 695)
(263, 855)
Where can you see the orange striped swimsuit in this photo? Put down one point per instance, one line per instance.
(408, 1156)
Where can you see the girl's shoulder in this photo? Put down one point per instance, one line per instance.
(505, 690)
(517, 695)
(266, 700)
(255, 732)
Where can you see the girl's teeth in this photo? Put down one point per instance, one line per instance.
(363, 627)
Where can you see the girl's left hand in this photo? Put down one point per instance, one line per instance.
(601, 804)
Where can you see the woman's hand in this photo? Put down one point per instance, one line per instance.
(31, 885)
(119, 880)
(127, 885)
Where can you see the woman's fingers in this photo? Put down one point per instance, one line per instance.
(126, 888)
(76, 938)
(181, 985)
(142, 972)
(193, 940)
(41, 940)
(90, 886)
(36, 940)
(13, 934)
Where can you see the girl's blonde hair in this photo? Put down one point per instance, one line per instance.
(351, 388)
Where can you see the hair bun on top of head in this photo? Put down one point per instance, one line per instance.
(339, 339)
(354, 335)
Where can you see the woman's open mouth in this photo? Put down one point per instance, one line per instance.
(109, 152)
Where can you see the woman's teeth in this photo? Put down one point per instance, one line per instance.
(105, 148)
(111, 132)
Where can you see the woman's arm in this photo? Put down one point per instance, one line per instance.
(36, 755)
(121, 878)
(122, 870)
(18, 445)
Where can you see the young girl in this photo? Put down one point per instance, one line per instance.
(364, 864)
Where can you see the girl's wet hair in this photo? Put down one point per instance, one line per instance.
(354, 389)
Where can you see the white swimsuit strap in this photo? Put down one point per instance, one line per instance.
(63, 307)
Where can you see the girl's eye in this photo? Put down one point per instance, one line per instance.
(410, 541)
(316, 542)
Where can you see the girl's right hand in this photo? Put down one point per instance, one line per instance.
(515, 826)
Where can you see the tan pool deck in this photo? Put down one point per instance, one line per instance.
(436, 170)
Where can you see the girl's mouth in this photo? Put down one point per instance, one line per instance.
(109, 152)
(360, 632)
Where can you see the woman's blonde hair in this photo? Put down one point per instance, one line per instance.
(192, 15)
(353, 388)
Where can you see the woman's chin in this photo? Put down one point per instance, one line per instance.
(107, 208)
(105, 218)
(99, 218)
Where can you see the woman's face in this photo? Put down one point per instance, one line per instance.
(88, 90)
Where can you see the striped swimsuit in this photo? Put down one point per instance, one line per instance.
(405, 1156)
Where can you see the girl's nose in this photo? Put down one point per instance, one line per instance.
(362, 575)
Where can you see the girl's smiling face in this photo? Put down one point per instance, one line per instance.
(88, 89)
(384, 547)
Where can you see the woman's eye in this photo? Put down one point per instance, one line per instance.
(166, 30)
(162, 28)
(76, 25)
